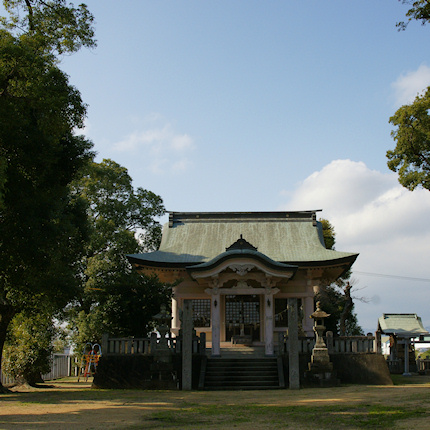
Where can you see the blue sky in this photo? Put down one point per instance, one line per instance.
(258, 95)
(269, 105)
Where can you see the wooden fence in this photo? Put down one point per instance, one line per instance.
(61, 366)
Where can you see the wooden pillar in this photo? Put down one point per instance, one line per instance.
(406, 343)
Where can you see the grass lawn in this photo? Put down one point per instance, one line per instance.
(67, 404)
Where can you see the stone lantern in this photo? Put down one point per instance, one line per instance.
(163, 374)
(320, 361)
(163, 319)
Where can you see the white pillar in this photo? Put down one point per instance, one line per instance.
(175, 314)
(216, 320)
(268, 326)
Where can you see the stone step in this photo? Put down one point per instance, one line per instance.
(240, 351)
(241, 373)
(239, 365)
(272, 384)
(235, 378)
(242, 388)
(243, 359)
(259, 371)
(244, 371)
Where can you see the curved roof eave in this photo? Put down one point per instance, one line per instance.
(166, 260)
(255, 255)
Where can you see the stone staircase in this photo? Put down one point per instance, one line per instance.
(242, 370)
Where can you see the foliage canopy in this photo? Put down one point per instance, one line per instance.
(42, 225)
(29, 347)
(56, 25)
(336, 297)
(114, 298)
(419, 11)
(411, 157)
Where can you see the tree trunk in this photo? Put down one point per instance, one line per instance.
(7, 312)
(29, 379)
(346, 309)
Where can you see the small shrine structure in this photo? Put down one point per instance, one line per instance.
(402, 328)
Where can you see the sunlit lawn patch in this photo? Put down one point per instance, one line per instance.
(288, 416)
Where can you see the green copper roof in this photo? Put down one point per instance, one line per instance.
(402, 325)
(244, 253)
(286, 237)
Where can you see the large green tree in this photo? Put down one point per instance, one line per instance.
(114, 297)
(42, 225)
(411, 156)
(336, 297)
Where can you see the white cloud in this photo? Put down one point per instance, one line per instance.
(164, 149)
(385, 223)
(409, 85)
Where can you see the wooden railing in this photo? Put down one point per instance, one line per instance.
(335, 345)
(355, 344)
(125, 345)
(305, 344)
(147, 345)
(423, 365)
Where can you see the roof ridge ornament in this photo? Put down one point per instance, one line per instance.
(241, 244)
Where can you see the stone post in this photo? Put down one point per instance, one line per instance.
(281, 346)
(105, 343)
(153, 343)
(330, 345)
(308, 308)
(406, 342)
(187, 344)
(268, 326)
(293, 340)
(202, 349)
(377, 347)
(216, 323)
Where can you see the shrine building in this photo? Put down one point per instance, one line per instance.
(240, 268)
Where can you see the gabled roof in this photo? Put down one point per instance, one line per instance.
(402, 325)
(285, 237)
(242, 249)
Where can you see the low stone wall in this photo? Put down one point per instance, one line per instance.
(142, 372)
(371, 369)
(349, 368)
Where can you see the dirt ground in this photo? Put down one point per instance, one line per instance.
(67, 404)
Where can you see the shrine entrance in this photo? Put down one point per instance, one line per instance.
(242, 318)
